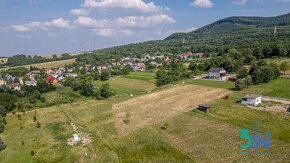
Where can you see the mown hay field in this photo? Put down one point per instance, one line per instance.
(53, 64)
(156, 107)
(207, 139)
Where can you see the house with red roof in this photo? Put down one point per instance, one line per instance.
(52, 80)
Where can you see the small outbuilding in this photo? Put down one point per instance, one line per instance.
(253, 100)
(76, 138)
(204, 108)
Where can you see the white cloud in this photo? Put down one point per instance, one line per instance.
(124, 4)
(239, 2)
(181, 30)
(60, 23)
(79, 12)
(90, 22)
(202, 3)
(128, 21)
(141, 21)
(31, 26)
(108, 32)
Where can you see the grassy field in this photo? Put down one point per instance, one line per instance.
(276, 88)
(53, 64)
(3, 60)
(124, 86)
(147, 76)
(207, 139)
(190, 136)
(161, 105)
(93, 120)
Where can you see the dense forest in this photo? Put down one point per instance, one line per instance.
(255, 33)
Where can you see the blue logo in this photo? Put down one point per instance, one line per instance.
(254, 141)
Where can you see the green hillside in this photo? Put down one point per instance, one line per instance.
(255, 33)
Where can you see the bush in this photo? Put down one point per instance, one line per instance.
(2, 127)
(2, 145)
(32, 100)
(105, 75)
(3, 111)
(38, 125)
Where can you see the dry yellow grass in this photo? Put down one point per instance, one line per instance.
(157, 107)
(3, 60)
(53, 64)
(207, 139)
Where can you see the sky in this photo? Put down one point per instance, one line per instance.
(44, 27)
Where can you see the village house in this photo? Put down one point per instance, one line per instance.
(72, 75)
(198, 55)
(2, 82)
(60, 78)
(14, 86)
(90, 67)
(49, 71)
(251, 100)
(9, 79)
(139, 67)
(217, 73)
(185, 57)
(102, 67)
(31, 83)
(70, 70)
(52, 80)
(35, 72)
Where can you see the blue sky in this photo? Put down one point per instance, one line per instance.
(43, 27)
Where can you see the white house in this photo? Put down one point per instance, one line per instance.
(72, 75)
(76, 138)
(217, 73)
(251, 100)
(31, 83)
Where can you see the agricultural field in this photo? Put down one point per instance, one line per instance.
(207, 139)
(276, 88)
(3, 60)
(147, 76)
(53, 64)
(159, 106)
(124, 86)
(127, 128)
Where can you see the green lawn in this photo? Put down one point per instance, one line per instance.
(213, 83)
(126, 86)
(147, 76)
(277, 88)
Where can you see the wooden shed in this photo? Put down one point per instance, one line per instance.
(204, 108)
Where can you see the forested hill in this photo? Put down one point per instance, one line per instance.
(235, 23)
(281, 20)
(254, 33)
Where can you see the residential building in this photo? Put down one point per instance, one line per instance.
(217, 73)
(31, 83)
(251, 100)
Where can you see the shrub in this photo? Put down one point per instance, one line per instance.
(38, 125)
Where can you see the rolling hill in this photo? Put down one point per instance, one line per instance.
(233, 32)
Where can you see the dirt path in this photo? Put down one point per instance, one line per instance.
(284, 101)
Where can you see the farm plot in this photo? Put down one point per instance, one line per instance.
(159, 106)
(207, 139)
